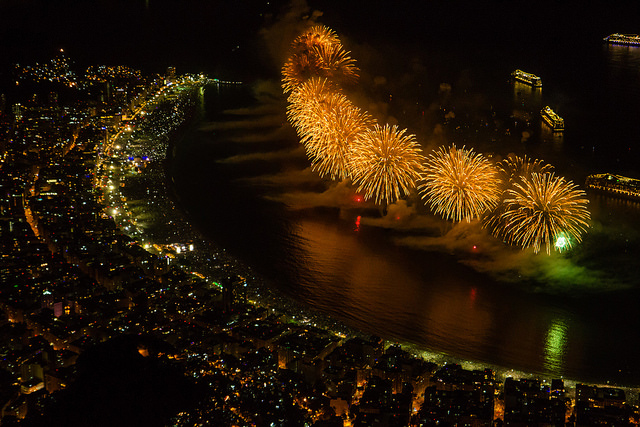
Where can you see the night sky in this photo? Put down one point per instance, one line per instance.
(226, 39)
(149, 35)
(204, 35)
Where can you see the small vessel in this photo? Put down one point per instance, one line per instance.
(528, 78)
(625, 39)
(614, 185)
(555, 122)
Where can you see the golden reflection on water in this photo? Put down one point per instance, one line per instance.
(369, 277)
(373, 283)
(548, 135)
(527, 96)
(457, 315)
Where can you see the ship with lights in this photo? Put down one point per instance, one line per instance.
(527, 78)
(614, 185)
(551, 118)
(624, 39)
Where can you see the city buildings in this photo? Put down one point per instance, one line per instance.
(89, 287)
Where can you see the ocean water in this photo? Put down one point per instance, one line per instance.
(408, 276)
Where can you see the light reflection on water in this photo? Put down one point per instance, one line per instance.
(341, 266)
(555, 346)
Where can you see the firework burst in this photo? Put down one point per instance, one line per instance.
(385, 163)
(315, 36)
(541, 208)
(317, 52)
(311, 105)
(329, 148)
(306, 97)
(327, 124)
(514, 167)
(459, 184)
(511, 170)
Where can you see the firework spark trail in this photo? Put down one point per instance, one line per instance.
(315, 36)
(333, 137)
(309, 101)
(521, 200)
(541, 209)
(336, 63)
(327, 124)
(317, 120)
(386, 163)
(514, 167)
(510, 170)
(317, 52)
(459, 184)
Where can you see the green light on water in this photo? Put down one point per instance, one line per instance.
(555, 346)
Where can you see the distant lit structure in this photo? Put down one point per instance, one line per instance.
(615, 185)
(57, 70)
(233, 291)
(17, 111)
(528, 78)
(623, 39)
(171, 74)
(551, 118)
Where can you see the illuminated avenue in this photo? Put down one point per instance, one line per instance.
(95, 257)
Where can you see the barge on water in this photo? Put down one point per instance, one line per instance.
(528, 78)
(614, 185)
(551, 118)
(624, 39)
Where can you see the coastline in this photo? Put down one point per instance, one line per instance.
(263, 296)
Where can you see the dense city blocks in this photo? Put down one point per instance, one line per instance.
(95, 294)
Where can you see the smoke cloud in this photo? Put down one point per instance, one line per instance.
(278, 35)
(300, 188)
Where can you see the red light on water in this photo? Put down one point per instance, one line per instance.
(397, 218)
(358, 223)
(473, 294)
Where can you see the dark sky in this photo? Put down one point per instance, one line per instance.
(195, 35)
(203, 35)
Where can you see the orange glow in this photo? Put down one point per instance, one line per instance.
(386, 163)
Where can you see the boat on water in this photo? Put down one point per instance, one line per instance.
(625, 39)
(528, 78)
(615, 185)
(551, 118)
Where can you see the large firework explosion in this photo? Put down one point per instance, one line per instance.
(327, 124)
(510, 170)
(386, 163)
(459, 184)
(521, 200)
(514, 167)
(305, 100)
(541, 208)
(317, 52)
(330, 145)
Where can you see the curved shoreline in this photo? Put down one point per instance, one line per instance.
(295, 310)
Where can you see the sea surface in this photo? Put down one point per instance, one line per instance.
(403, 274)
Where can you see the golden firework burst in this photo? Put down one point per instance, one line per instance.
(385, 163)
(511, 170)
(459, 184)
(339, 124)
(541, 208)
(317, 52)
